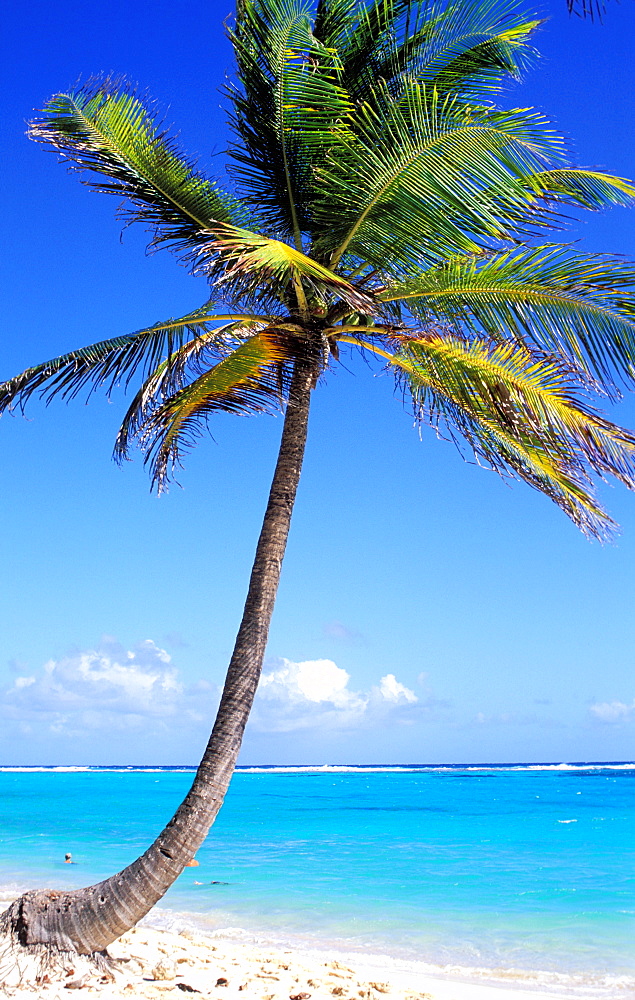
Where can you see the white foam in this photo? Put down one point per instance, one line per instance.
(97, 769)
(44, 769)
(334, 769)
(331, 768)
(418, 768)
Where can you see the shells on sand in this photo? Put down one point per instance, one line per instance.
(146, 964)
(165, 969)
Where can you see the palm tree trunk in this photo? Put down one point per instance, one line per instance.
(87, 920)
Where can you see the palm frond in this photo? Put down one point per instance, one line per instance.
(467, 47)
(593, 9)
(548, 296)
(116, 361)
(428, 178)
(378, 184)
(482, 49)
(333, 19)
(242, 257)
(105, 129)
(174, 372)
(288, 106)
(248, 381)
(520, 412)
(530, 393)
(371, 33)
(590, 189)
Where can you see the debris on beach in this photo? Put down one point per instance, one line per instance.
(150, 964)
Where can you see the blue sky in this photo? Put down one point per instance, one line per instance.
(428, 612)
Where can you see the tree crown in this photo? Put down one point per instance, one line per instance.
(378, 198)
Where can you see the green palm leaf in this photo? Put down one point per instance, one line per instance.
(248, 381)
(388, 190)
(558, 300)
(427, 177)
(465, 48)
(246, 259)
(190, 360)
(482, 48)
(106, 130)
(531, 395)
(288, 107)
(333, 20)
(590, 189)
(366, 38)
(116, 361)
(519, 411)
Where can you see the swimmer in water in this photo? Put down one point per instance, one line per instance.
(68, 859)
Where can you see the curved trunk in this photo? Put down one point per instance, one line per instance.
(88, 920)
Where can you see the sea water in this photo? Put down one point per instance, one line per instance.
(520, 873)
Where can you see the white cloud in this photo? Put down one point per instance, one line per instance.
(139, 690)
(393, 691)
(316, 694)
(24, 682)
(107, 687)
(311, 680)
(613, 711)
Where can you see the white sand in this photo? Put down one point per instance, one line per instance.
(156, 963)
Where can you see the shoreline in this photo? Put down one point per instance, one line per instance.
(154, 963)
(378, 964)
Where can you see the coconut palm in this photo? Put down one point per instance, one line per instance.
(378, 201)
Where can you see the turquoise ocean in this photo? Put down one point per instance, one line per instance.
(520, 874)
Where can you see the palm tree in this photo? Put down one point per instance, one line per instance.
(379, 202)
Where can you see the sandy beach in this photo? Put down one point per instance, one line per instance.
(156, 963)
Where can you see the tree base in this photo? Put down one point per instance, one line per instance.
(24, 962)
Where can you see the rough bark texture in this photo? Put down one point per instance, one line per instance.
(86, 921)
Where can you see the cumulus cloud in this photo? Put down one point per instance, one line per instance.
(613, 711)
(392, 691)
(112, 689)
(107, 687)
(310, 681)
(316, 693)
